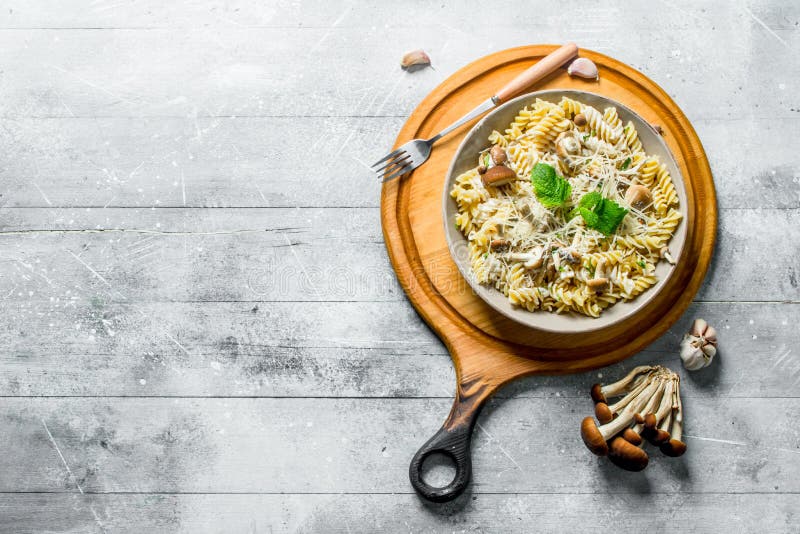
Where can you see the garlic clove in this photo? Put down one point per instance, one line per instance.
(698, 327)
(709, 350)
(710, 334)
(583, 68)
(415, 57)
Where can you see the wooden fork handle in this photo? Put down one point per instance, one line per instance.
(548, 64)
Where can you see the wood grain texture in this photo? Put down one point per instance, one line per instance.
(228, 117)
(295, 445)
(342, 513)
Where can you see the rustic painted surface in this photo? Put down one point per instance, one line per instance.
(201, 330)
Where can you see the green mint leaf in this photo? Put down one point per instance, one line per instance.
(626, 164)
(591, 218)
(551, 190)
(601, 214)
(611, 216)
(590, 200)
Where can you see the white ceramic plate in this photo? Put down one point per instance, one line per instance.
(465, 157)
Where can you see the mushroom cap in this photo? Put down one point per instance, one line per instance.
(498, 175)
(597, 393)
(603, 413)
(638, 196)
(567, 144)
(592, 437)
(627, 456)
(498, 154)
(639, 418)
(660, 437)
(631, 436)
(673, 447)
(649, 428)
(650, 421)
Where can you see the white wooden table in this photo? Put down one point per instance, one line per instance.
(202, 332)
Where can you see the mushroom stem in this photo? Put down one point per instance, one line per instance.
(662, 432)
(626, 416)
(601, 393)
(650, 431)
(596, 437)
(674, 446)
(666, 401)
(635, 392)
(605, 413)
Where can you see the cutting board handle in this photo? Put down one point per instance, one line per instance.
(453, 440)
(481, 369)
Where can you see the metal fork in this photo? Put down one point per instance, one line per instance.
(416, 152)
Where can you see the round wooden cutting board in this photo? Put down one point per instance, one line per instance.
(488, 349)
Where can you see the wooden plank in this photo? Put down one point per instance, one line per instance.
(133, 255)
(199, 514)
(300, 349)
(262, 162)
(361, 14)
(364, 446)
(265, 161)
(233, 70)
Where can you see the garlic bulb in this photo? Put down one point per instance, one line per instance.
(699, 346)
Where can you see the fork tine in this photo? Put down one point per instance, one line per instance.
(388, 156)
(397, 172)
(394, 161)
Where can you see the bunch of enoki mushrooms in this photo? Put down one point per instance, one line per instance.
(649, 409)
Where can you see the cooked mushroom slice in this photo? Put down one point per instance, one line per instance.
(579, 119)
(599, 280)
(499, 243)
(600, 393)
(570, 254)
(638, 196)
(498, 175)
(597, 283)
(537, 260)
(675, 447)
(498, 154)
(567, 146)
(626, 455)
(596, 438)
